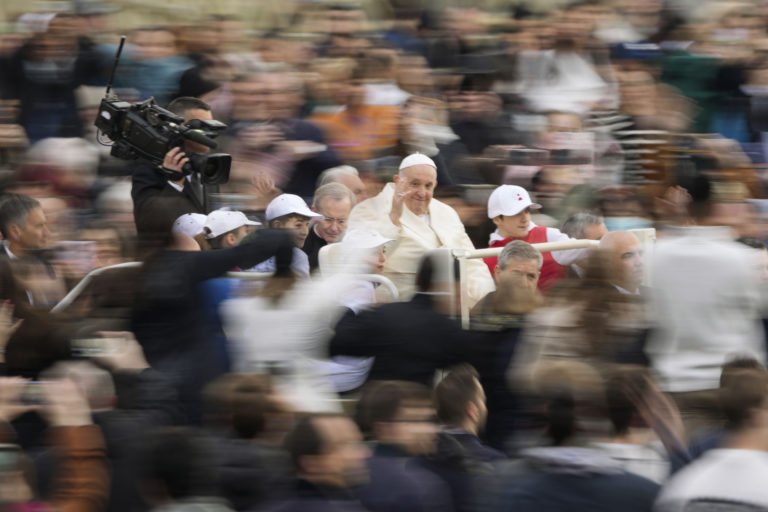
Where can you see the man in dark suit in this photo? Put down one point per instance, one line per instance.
(401, 479)
(461, 459)
(151, 184)
(410, 340)
(329, 457)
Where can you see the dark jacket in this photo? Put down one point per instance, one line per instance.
(150, 190)
(576, 480)
(399, 483)
(169, 319)
(308, 497)
(463, 462)
(252, 475)
(410, 340)
(312, 246)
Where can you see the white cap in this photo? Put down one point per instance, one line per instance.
(364, 238)
(509, 200)
(288, 203)
(219, 222)
(416, 159)
(190, 224)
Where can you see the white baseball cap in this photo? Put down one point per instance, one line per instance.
(364, 238)
(509, 200)
(416, 159)
(190, 224)
(288, 203)
(219, 222)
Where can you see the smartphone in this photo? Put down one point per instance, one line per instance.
(33, 393)
(10, 457)
(93, 347)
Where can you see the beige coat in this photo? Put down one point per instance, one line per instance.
(415, 237)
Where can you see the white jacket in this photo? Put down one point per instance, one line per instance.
(414, 237)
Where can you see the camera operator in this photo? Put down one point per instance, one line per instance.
(150, 183)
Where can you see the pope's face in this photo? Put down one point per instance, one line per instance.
(420, 180)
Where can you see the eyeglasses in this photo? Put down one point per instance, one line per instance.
(330, 220)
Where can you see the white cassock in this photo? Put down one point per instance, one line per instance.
(415, 236)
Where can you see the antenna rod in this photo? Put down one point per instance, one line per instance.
(114, 66)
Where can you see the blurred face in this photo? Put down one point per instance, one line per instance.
(421, 180)
(343, 463)
(627, 261)
(480, 407)
(34, 234)
(283, 94)
(336, 213)
(356, 185)
(203, 115)
(299, 226)
(514, 225)
(520, 273)
(595, 231)
(378, 258)
(108, 247)
(248, 100)
(414, 430)
(155, 44)
(234, 238)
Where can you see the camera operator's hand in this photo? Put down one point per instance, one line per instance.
(175, 160)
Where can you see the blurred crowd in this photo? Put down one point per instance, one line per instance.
(285, 309)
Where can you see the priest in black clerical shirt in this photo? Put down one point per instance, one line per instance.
(333, 201)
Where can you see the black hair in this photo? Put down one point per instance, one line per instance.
(183, 104)
(454, 392)
(621, 408)
(14, 209)
(427, 272)
(383, 401)
(751, 242)
(561, 417)
(305, 438)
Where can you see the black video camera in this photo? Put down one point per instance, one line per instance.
(147, 131)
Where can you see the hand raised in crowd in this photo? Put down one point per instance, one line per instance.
(65, 405)
(264, 185)
(398, 200)
(121, 352)
(175, 160)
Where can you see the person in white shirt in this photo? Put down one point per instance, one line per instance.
(734, 474)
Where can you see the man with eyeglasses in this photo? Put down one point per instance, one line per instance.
(333, 201)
